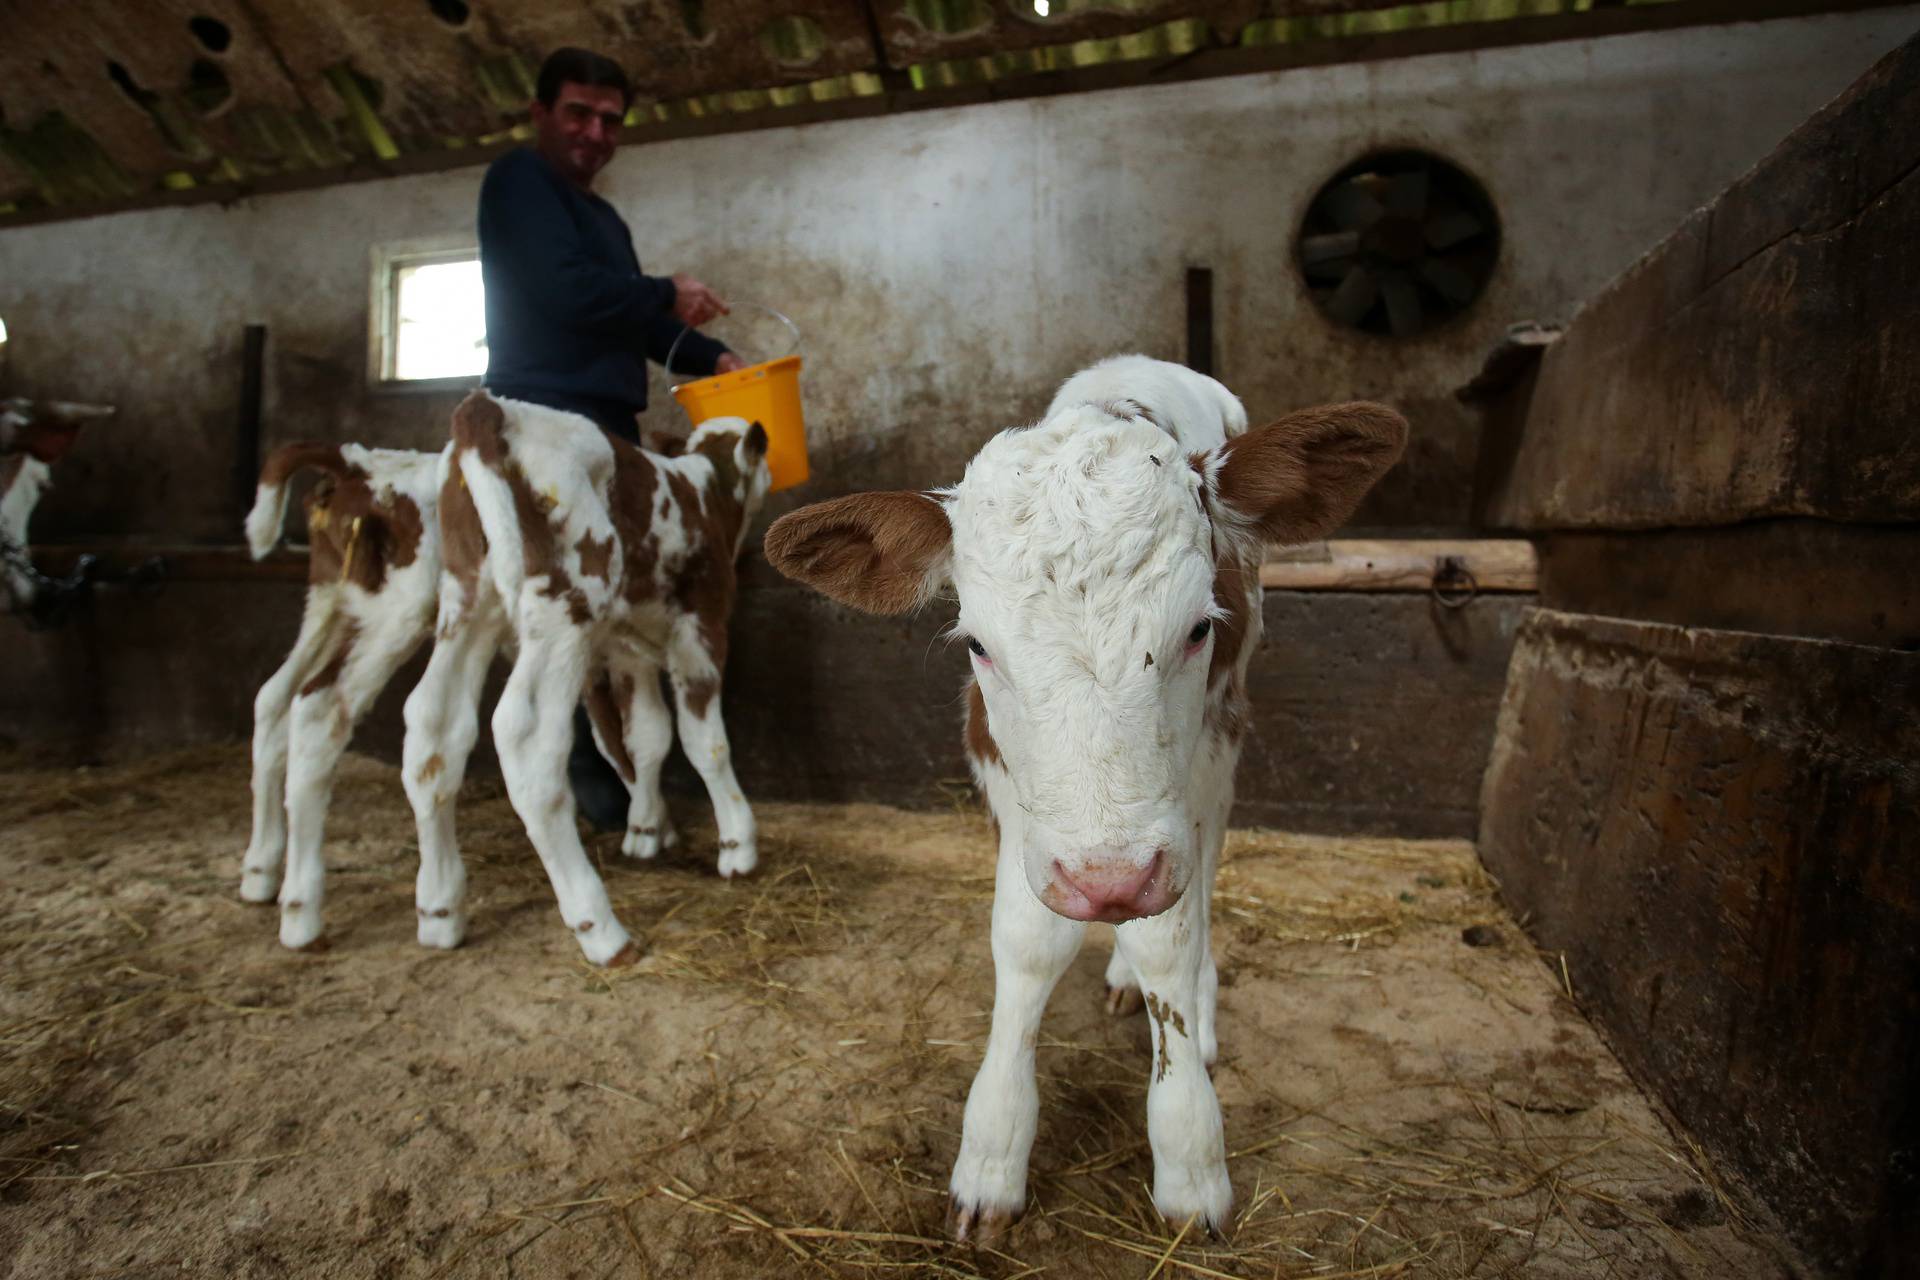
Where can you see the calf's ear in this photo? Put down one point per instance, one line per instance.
(1298, 479)
(880, 552)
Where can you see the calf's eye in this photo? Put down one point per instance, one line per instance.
(1200, 631)
(979, 650)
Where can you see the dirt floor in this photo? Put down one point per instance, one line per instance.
(776, 1089)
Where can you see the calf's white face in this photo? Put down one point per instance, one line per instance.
(1084, 566)
(1085, 553)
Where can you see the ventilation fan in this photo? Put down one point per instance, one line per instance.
(1398, 243)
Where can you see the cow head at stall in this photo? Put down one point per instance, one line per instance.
(34, 435)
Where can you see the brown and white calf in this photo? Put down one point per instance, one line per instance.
(33, 436)
(1106, 561)
(589, 555)
(373, 575)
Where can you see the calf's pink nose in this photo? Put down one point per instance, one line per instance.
(1110, 891)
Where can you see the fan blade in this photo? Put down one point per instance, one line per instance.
(1330, 272)
(1404, 314)
(1354, 297)
(1351, 207)
(1452, 283)
(1407, 193)
(1333, 244)
(1450, 229)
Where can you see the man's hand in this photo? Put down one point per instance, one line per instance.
(693, 303)
(728, 362)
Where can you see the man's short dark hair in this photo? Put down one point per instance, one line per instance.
(580, 66)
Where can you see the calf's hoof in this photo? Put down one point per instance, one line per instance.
(301, 928)
(442, 928)
(1204, 1194)
(607, 945)
(1124, 1002)
(737, 857)
(648, 842)
(979, 1225)
(257, 885)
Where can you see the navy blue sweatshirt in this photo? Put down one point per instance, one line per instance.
(570, 318)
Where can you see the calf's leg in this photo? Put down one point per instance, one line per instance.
(648, 732)
(532, 731)
(1168, 954)
(322, 721)
(1031, 949)
(443, 722)
(320, 634)
(695, 672)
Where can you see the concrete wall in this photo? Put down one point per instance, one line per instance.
(950, 267)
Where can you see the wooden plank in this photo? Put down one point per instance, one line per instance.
(1715, 829)
(1361, 564)
(184, 562)
(1497, 565)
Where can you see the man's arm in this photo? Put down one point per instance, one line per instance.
(527, 232)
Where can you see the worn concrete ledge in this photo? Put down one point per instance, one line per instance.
(1721, 832)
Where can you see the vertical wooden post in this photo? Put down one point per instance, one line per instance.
(246, 458)
(1200, 319)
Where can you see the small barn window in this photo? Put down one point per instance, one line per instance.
(429, 317)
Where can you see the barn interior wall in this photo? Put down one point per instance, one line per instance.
(947, 268)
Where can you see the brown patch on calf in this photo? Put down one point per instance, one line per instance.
(608, 718)
(301, 454)
(329, 675)
(698, 694)
(1233, 583)
(596, 558)
(477, 423)
(874, 551)
(432, 768)
(353, 537)
(980, 743)
(630, 504)
(463, 541)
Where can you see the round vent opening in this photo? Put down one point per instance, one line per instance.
(1398, 243)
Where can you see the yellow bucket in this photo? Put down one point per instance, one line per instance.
(767, 393)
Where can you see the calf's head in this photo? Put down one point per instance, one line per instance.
(738, 451)
(33, 436)
(1084, 552)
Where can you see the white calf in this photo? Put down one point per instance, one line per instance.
(373, 574)
(591, 554)
(1106, 562)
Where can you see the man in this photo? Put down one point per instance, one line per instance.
(571, 320)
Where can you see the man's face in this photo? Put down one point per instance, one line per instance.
(576, 134)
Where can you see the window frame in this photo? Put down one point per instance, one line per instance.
(383, 311)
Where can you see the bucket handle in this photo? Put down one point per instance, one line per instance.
(792, 328)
